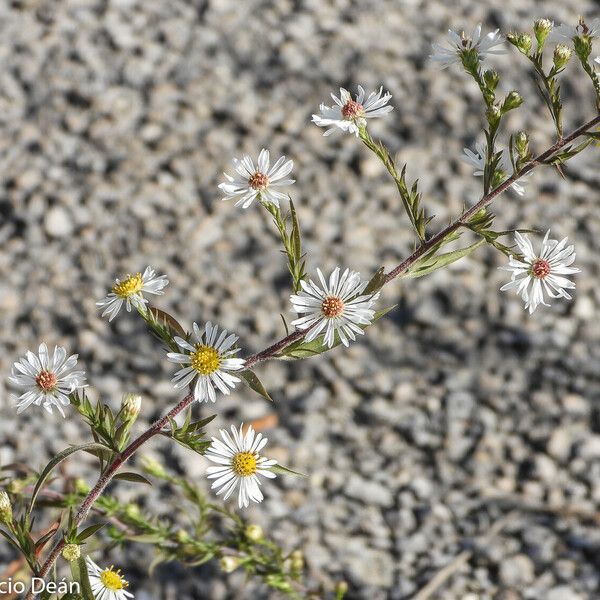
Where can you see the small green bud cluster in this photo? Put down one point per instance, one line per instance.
(512, 101)
(71, 552)
(6, 514)
(541, 29)
(562, 55)
(130, 407)
(521, 41)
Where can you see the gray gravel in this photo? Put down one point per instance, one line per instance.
(117, 119)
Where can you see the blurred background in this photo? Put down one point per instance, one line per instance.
(117, 119)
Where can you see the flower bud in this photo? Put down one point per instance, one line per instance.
(522, 144)
(297, 561)
(71, 552)
(229, 564)
(6, 514)
(254, 533)
(493, 114)
(491, 79)
(562, 55)
(153, 467)
(541, 28)
(521, 41)
(132, 510)
(16, 486)
(513, 100)
(183, 537)
(81, 487)
(130, 407)
(341, 588)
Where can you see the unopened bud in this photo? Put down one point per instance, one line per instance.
(130, 407)
(541, 28)
(16, 486)
(297, 561)
(562, 55)
(491, 79)
(522, 144)
(521, 41)
(229, 564)
(132, 510)
(71, 552)
(183, 537)
(341, 588)
(513, 100)
(6, 514)
(254, 533)
(493, 114)
(153, 467)
(81, 487)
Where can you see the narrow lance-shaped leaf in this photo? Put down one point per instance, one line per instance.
(431, 264)
(254, 383)
(56, 461)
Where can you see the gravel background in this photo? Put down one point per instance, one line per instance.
(117, 119)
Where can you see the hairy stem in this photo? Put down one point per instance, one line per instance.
(272, 350)
(106, 478)
(438, 237)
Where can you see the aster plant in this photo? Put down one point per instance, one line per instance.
(328, 312)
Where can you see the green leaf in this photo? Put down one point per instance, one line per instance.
(254, 383)
(281, 470)
(376, 282)
(430, 264)
(303, 349)
(165, 319)
(296, 242)
(80, 574)
(133, 477)
(88, 532)
(56, 461)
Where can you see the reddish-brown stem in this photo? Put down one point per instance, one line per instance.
(438, 237)
(107, 476)
(272, 350)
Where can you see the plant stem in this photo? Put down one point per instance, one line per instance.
(106, 478)
(431, 242)
(270, 351)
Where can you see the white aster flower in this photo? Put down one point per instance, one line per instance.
(336, 307)
(544, 271)
(131, 292)
(239, 463)
(252, 182)
(457, 45)
(210, 357)
(597, 60)
(349, 115)
(47, 381)
(476, 159)
(567, 33)
(106, 584)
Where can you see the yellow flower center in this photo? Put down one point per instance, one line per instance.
(132, 284)
(112, 580)
(205, 359)
(244, 464)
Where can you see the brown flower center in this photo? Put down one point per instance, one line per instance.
(258, 181)
(352, 110)
(332, 306)
(540, 268)
(46, 380)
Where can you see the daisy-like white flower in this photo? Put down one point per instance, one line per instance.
(453, 52)
(239, 464)
(545, 271)
(336, 307)
(350, 115)
(477, 160)
(209, 358)
(47, 381)
(568, 33)
(107, 584)
(252, 182)
(131, 292)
